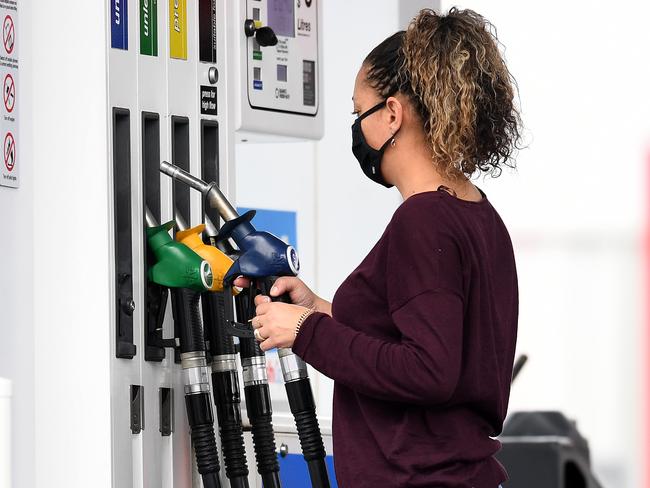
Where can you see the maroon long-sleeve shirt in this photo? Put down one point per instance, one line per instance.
(421, 346)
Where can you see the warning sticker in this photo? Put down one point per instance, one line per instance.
(9, 92)
(9, 168)
(10, 151)
(8, 34)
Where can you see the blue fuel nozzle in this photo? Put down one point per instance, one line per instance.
(261, 253)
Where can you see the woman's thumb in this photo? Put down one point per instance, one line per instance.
(280, 287)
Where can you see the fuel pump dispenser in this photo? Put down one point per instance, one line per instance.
(257, 393)
(225, 381)
(193, 83)
(263, 258)
(256, 388)
(187, 275)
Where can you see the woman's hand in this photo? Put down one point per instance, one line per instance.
(299, 293)
(275, 323)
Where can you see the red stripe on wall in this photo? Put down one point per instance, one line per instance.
(645, 348)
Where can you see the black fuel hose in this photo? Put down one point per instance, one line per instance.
(258, 397)
(187, 320)
(302, 404)
(225, 384)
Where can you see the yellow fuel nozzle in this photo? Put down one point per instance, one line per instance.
(219, 262)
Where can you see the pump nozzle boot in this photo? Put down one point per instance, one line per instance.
(177, 266)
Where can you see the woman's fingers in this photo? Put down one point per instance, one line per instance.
(274, 324)
(266, 345)
(259, 299)
(264, 337)
(242, 282)
(262, 308)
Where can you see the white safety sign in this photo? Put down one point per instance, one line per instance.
(10, 165)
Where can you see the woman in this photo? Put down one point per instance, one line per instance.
(420, 338)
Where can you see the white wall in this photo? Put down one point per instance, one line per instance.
(576, 210)
(71, 296)
(352, 211)
(16, 273)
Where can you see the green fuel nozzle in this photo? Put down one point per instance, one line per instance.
(177, 265)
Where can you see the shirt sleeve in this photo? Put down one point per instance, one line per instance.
(422, 368)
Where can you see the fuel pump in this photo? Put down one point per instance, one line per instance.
(263, 258)
(187, 275)
(225, 381)
(257, 393)
(256, 388)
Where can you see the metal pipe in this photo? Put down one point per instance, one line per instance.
(180, 221)
(183, 176)
(149, 219)
(210, 191)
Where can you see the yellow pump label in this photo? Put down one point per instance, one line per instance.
(178, 29)
(219, 262)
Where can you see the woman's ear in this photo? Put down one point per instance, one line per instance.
(395, 112)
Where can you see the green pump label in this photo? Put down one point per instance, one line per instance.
(149, 27)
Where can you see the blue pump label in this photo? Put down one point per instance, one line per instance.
(280, 223)
(294, 472)
(119, 24)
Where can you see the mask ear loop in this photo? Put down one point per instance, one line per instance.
(372, 110)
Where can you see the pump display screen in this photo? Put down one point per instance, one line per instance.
(281, 17)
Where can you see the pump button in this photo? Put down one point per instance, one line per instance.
(213, 75)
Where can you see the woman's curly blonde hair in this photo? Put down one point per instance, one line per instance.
(451, 69)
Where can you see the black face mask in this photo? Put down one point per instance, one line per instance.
(368, 157)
